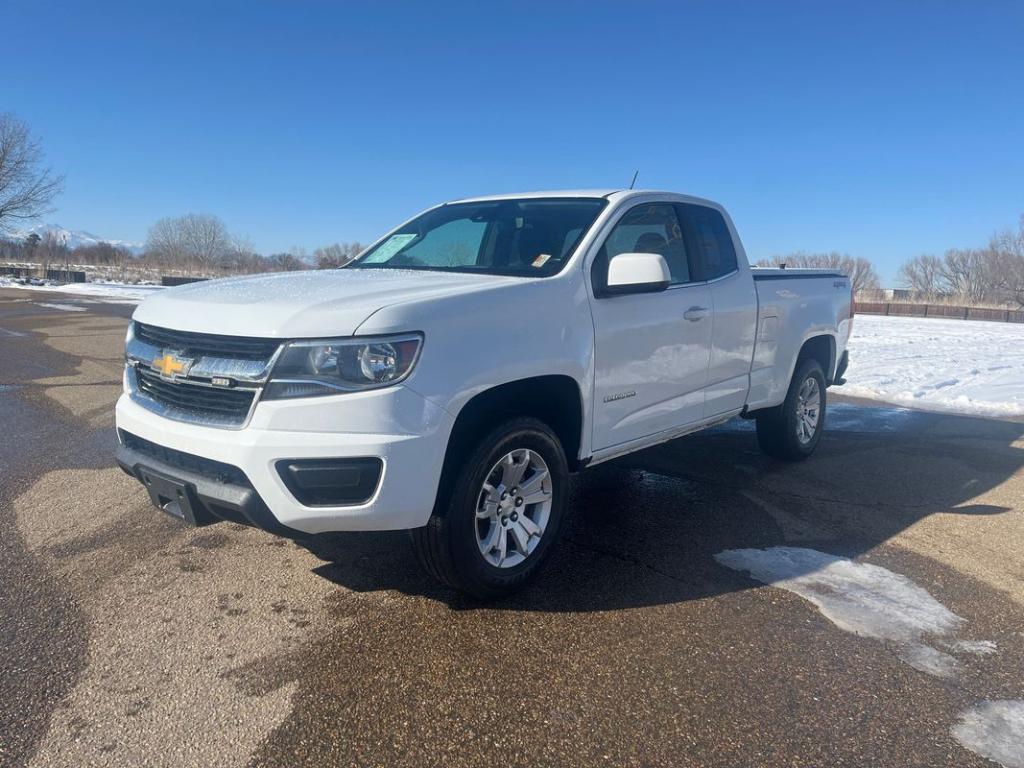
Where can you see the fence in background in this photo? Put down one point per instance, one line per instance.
(172, 280)
(938, 310)
(9, 271)
(65, 276)
(60, 275)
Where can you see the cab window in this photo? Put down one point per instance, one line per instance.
(647, 228)
(708, 241)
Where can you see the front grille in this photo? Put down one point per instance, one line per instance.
(227, 406)
(215, 470)
(210, 344)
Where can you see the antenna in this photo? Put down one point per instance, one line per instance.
(635, 174)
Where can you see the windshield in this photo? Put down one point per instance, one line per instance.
(528, 238)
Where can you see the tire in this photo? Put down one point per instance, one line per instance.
(782, 432)
(451, 545)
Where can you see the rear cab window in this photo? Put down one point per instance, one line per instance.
(708, 241)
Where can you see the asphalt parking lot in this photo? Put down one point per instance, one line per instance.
(132, 641)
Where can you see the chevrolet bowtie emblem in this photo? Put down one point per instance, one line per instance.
(170, 366)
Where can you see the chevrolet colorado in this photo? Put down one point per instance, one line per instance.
(451, 377)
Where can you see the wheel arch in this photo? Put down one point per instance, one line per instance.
(554, 399)
(821, 348)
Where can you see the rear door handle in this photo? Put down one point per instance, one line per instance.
(693, 314)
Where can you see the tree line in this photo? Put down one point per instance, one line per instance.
(196, 245)
(201, 244)
(993, 274)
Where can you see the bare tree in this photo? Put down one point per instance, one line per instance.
(50, 250)
(861, 272)
(965, 272)
(1008, 256)
(27, 188)
(992, 275)
(191, 242)
(286, 262)
(923, 275)
(112, 259)
(336, 255)
(243, 260)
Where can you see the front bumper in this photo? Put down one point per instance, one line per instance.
(408, 433)
(189, 489)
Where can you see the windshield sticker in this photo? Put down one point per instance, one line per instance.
(389, 248)
(541, 260)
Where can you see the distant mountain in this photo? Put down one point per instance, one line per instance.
(76, 238)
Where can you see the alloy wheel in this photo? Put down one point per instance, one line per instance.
(513, 508)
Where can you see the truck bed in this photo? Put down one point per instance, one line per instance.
(811, 301)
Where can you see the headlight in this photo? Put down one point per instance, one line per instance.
(311, 368)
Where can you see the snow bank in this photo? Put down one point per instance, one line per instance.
(121, 293)
(963, 366)
(130, 293)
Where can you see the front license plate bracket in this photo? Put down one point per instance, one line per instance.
(171, 496)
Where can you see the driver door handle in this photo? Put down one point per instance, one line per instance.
(693, 314)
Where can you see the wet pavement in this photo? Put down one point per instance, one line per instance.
(130, 641)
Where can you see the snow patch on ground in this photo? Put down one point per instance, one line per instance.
(861, 598)
(120, 293)
(962, 366)
(994, 729)
(131, 293)
(977, 647)
(875, 602)
(929, 660)
(61, 307)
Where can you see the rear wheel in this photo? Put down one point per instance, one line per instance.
(492, 533)
(791, 432)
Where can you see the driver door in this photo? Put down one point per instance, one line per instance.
(652, 350)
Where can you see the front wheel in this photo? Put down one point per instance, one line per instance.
(791, 432)
(491, 534)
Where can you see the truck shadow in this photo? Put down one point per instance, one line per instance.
(644, 530)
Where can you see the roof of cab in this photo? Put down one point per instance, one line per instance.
(611, 194)
(527, 195)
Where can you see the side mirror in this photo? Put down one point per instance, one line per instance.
(638, 273)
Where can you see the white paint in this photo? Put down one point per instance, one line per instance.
(61, 307)
(865, 599)
(685, 375)
(995, 730)
(962, 366)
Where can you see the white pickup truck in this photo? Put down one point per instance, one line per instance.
(451, 377)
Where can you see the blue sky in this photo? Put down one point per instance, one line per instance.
(881, 130)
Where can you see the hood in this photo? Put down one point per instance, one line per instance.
(317, 303)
